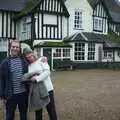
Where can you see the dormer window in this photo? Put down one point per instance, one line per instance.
(78, 19)
(97, 24)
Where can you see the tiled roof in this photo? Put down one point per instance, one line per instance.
(12, 5)
(113, 9)
(93, 2)
(31, 4)
(112, 6)
(74, 37)
(109, 44)
(95, 37)
(86, 36)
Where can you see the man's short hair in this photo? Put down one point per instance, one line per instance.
(16, 41)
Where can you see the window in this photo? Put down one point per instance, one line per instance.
(66, 52)
(61, 52)
(78, 19)
(108, 54)
(119, 53)
(91, 51)
(97, 24)
(118, 28)
(3, 45)
(105, 54)
(79, 51)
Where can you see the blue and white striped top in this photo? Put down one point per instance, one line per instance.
(16, 74)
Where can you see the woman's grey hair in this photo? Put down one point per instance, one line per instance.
(27, 51)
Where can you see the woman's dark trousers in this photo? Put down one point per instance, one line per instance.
(50, 109)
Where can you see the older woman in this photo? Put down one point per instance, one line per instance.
(43, 69)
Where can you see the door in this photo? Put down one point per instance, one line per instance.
(2, 55)
(48, 53)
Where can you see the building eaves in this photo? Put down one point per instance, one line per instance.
(53, 44)
(65, 9)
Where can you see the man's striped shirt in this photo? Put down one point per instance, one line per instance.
(16, 74)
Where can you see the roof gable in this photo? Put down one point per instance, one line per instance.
(112, 7)
(33, 4)
(86, 37)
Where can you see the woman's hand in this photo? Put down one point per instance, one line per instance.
(44, 59)
(33, 78)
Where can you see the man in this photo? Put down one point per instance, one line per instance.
(43, 69)
(12, 91)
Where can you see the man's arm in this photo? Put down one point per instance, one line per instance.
(2, 81)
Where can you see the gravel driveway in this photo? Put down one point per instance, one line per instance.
(85, 95)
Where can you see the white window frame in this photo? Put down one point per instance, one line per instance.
(108, 54)
(91, 51)
(98, 23)
(78, 16)
(79, 52)
(61, 53)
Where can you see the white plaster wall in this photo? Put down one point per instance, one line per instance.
(52, 19)
(3, 44)
(64, 27)
(97, 52)
(8, 25)
(87, 14)
(20, 34)
(117, 58)
(72, 51)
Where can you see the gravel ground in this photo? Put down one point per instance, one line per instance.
(85, 95)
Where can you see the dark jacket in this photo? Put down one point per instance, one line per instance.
(6, 87)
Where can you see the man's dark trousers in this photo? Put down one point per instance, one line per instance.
(20, 100)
